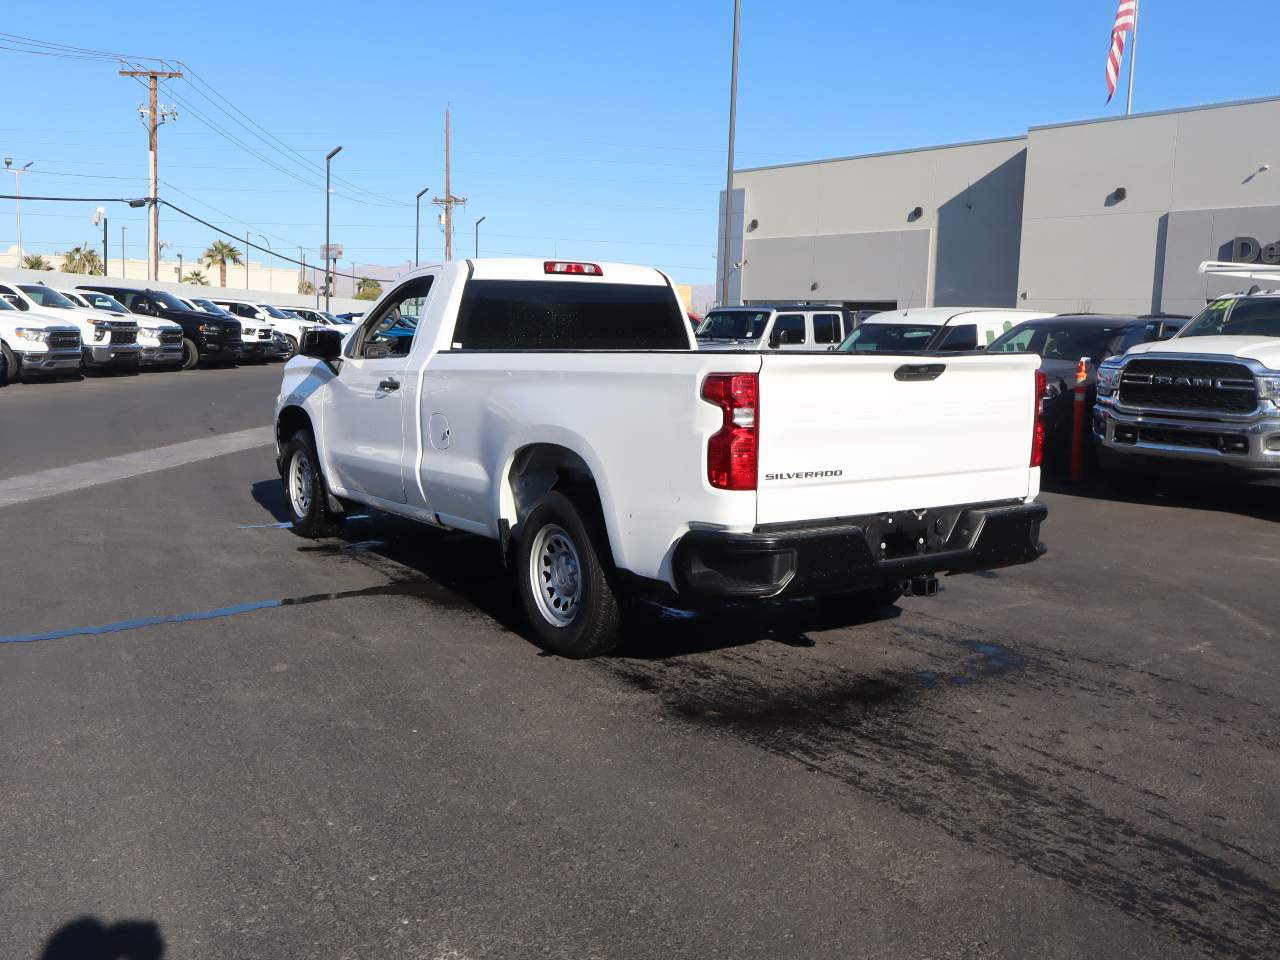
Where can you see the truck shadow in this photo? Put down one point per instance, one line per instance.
(1257, 501)
(472, 568)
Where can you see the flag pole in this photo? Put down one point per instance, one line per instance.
(1133, 55)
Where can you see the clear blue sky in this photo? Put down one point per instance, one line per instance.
(583, 129)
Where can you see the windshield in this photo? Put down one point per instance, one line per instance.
(888, 337)
(166, 300)
(46, 296)
(330, 318)
(1071, 341)
(208, 306)
(733, 325)
(100, 301)
(1239, 317)
(275, 312)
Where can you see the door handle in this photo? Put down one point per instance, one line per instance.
(919, 371)
(389, 385)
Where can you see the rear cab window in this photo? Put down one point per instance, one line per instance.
(568, 315)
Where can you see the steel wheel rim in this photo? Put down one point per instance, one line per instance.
(555, 575)
(301, 480)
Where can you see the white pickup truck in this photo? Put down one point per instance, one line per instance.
(32, 343)
(105, 340)
(561, 410)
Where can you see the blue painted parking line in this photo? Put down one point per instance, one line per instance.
(288, 524)
(121, 625)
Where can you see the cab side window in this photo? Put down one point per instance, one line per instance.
(788, 330)
(12, 296)
(826, 328)
(390, 330)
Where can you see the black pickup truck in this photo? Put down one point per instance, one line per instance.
(204, 337)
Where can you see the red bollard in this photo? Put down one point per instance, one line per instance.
(1078, 423)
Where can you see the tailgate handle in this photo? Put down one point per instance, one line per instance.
(919, 371)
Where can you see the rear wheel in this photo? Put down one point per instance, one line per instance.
(292, 349)
(563, 582)
(190, 354)
(305, 490)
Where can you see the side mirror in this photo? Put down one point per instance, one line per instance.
(321, 344)
(785, 338)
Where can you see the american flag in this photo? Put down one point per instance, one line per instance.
(1126, 18)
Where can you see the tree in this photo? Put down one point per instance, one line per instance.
(81, 259)
(368, 289)
(196, 278)
(306, 287)
(34, 261)
(219, 254)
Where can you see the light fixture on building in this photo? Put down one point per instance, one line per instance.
(1119, 194)
(813, 286)
(752, 225)
(915, 214)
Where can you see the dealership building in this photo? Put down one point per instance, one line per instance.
(1111, 215)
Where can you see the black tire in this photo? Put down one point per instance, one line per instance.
(573, 609)
(12, 372)
(305, 492)
(190, 355)
(861, 605)
(293, 349)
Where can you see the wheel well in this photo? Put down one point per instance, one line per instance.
(540, 468)
(290, 421)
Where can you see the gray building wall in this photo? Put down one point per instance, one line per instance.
(845, 230)
(1193, 182)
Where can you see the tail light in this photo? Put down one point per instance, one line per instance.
(1037, 435)
(565, 266)
(733, 453)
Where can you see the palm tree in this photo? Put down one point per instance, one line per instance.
(196, 278)
(219, 254)
(34, 261)
(81, 259)
(306, 287)
(368, 289)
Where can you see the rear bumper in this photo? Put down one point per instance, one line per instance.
(855, 553)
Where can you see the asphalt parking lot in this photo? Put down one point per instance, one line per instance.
(268, 747)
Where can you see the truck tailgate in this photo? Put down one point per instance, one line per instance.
(849, 435)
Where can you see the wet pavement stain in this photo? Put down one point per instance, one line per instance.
(420, 589)
(917, 739)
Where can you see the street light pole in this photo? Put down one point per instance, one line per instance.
(478, 222)
(271, 260)
(124, 264)
(728, 190)
(328, 162)
(17, 193)
(417, 222)
(179, 268)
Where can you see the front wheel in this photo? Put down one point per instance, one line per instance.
(562, 580)
(10, 366)
(305, 490)
(190, 355)
(291, 350)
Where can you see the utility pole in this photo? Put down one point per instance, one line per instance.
(154, 116)
(246, 259)
(124, 264)
(725, 253)
(448, 201)
(327, 253)
(101, 215)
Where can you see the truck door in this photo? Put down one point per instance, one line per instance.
(371, 400)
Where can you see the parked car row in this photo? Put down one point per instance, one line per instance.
(50, 332)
